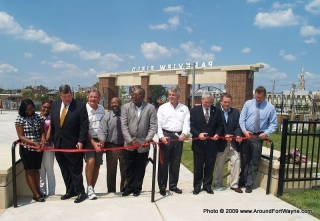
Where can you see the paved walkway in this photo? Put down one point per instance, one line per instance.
(223, 205)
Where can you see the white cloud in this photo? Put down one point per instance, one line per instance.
(309, 30)
(28, 55)
(278, 18)
(89, 55)
(173, 9)
(160, 27)
(110, 61)
(246, 50)
(174, 22)
(189, 29)
(287, 57)
(277, 5)
(153, 51)
(311, 41)
(62, 46)
(313, 7)
(38, 35)
(61, 64)
(8, 25)
(68, 71)
(216, 48)
(196, 53)
(7, 68)
(270, 72)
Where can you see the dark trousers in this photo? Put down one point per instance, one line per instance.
(242, 178)
(252, 154)
(203, 168)
(71, 166)
(171, 158)
(113, 156)
(136, 168)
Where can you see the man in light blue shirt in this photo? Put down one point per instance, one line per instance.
(258, 120)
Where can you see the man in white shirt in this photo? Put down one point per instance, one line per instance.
(93, 159)
(173, 126)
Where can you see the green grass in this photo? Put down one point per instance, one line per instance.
(308, 199)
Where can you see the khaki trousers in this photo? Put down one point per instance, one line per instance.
(234, 163)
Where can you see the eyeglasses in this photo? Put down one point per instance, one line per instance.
(46, 108)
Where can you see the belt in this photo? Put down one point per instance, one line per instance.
(119, 145)
(172, 132)
(257, 133)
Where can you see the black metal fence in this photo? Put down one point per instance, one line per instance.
(299, 159)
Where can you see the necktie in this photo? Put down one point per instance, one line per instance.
(206, 116)
(119, 131)
(257, 119)
(63, 115)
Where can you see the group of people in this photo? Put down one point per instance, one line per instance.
(69, 124)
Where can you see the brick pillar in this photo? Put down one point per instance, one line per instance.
(108, 88)
(185, 90)
(240, 85)
(145, 85)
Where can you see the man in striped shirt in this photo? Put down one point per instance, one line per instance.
(93, 159)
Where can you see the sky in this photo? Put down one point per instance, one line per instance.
(71, 42)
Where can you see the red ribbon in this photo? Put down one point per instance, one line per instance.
(126, 147)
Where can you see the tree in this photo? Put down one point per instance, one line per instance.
(157, 92)
(27, 95)
(122, 93)
(96, 85)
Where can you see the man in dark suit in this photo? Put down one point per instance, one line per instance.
(69, 130)
(229, 146)
(205, 121)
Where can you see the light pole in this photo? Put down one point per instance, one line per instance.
(193, 83)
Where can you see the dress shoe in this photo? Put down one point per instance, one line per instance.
(209, 191)
(81, 197)
(68, 196)
(43, 195)
(176, 190)
(238, 190)
(127, 192)
(163, 192)
(136, 193)
(196, 192)
(38, 199)
(248, 189)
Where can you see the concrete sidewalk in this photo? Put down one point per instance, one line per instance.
(222, 205)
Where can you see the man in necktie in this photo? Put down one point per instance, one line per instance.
(110, 135)
(71, 134)
(205, 120)
(258, 120)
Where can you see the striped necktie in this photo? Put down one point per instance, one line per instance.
(207, 116)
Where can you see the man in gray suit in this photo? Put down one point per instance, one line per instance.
(139, 125)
